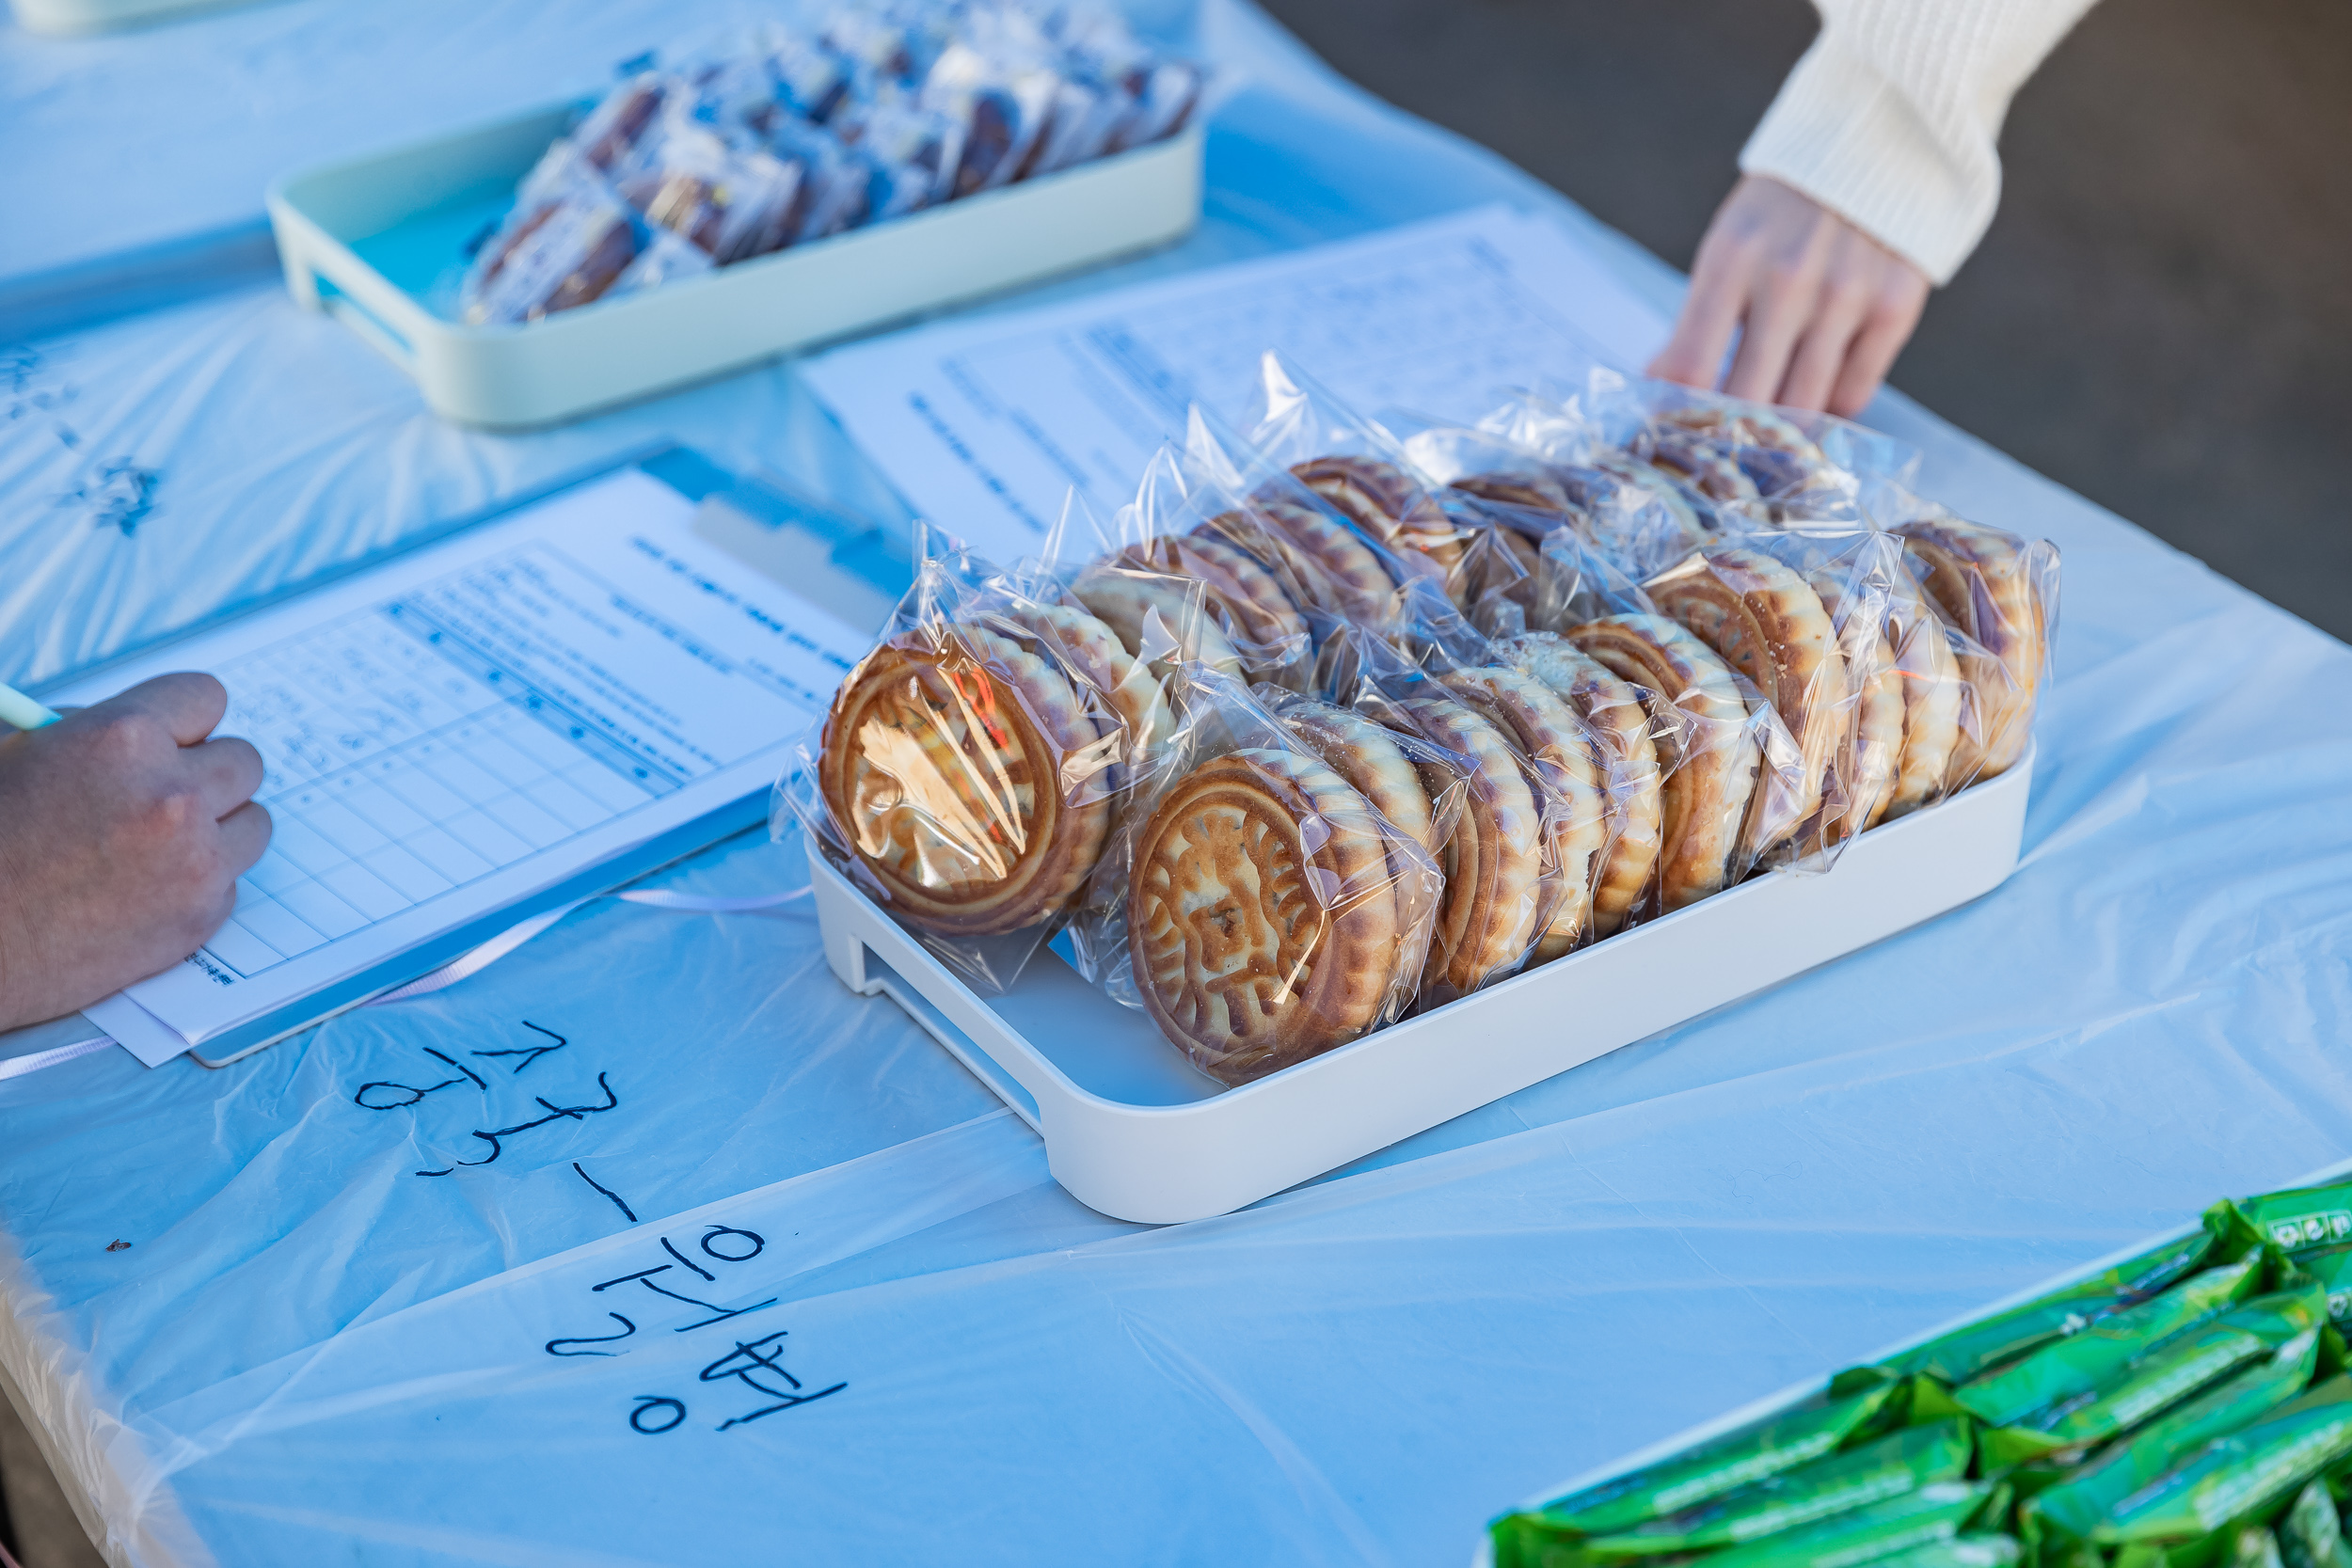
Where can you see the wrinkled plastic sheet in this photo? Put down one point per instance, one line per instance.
(310, 1353)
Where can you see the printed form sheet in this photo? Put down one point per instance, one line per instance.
(985, 426)
(476, 721)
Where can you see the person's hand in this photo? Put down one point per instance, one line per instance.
(122, 832)
(1820, 307)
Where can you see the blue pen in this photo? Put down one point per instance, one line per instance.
(22, 712)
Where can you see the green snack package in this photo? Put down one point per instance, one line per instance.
(1873, 1473)
(2333, 1267)
(2236, 1476)
(1688, 1479)
(2301, 1219)
(2311, 1535)
(2254, 1548)
(2079, 1363)
(1921, 1517)
(1961, 1551)
(2076, 1505)
(2162, 1375)
(1968, 1351)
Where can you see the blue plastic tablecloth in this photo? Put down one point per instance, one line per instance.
(309, 1354)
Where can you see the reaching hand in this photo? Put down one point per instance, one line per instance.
(122, 832)
(1821, 307)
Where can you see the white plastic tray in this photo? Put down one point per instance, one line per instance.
(1130, 1129)
(364, 239)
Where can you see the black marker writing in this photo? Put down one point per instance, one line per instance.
(628, 1328)
(630, 1215)
(530, 1053)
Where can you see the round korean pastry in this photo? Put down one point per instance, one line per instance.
(1706, 756)
(1703, 465)
(1127, 601)
(1868, 764)
(1262, 913)
(1493, 865)
(1568, 766)
(1386, 502)
(1258, 617)
(1531, 492)
(1095, 651)
(1370, 759)
(956, 769)
(1768, 623)
(1933, 695)
(1612, 708)
(1984, 580)
(1333, 566)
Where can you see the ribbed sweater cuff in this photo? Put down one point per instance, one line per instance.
(1845, 138)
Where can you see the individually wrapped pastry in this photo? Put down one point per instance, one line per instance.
(569, 238)
(834, 187)
(1271, 913)
(912, 151)
(1628, 509)
(730, 203)
(1359, 468)
(1003, 107)
(2000, 591)
(607, 136)
(967, 772)
(1799, 464)
(812, 79)
(1336, 574)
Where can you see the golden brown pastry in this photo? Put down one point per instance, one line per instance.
(948, 766)
(1127, 601)
(1243, 597)
(1932, 696)
(1982, 579)
(1612, 708)
(1865, 764)
(1386, 502)
(1768, 623)
(1563, 755)
(1493, 865)
(1261, 916)
(1370, 759)
(1709, 773)
(1133, 694)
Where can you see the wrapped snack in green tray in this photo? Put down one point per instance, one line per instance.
(2333, 1267)
(1873, 1473)
(1961, 1354)
(2170, 1369)
(2236, 1477)
(2311, 1535)
(1961, 1551)
(2077, 1364)
(2088, 1494)
(2299, 1219)
(2254, 1548)
(1923, 1516)
(1792, 1439)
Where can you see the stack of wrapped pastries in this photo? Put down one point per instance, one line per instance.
(1323, 738)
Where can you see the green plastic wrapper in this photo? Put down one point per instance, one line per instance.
(2174, 1367)
(2078, 1363)
(2333, 1267)
(1858, 1478)
(1962, 1551)
(1787, 1441)
(2236, 1477)
(2311, 1535)
(2078, 1503)
(2254, 1548)
(2301, 1219)
(1965, 1351)
(1921, 1517)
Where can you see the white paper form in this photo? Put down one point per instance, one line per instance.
(985, 426)
(476, 721)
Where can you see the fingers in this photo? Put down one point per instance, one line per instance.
(1710, 312)
(1882, 338)
(226, 772)
(1779, 312)
(187, 705)
(244, 836)
(1822, 353)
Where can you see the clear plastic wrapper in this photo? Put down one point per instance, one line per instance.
(1358, 467)
(812, 79)
(834, 186)
(1337, 575)
(731, 203)
(1796, 464)
(567, 242)
(610, 132)
(1003, 107)
(1641, 518)
(967, 772)
(1709, 752)
(2000, 593)
(914, 152)
(1269, 911)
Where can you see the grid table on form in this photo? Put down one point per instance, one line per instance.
(403, 761)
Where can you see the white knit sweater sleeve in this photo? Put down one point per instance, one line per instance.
(1890, 119)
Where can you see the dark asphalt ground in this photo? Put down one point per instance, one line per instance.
(2161, 317)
